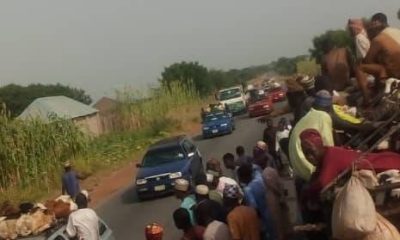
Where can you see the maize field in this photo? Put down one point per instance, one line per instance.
(32, 152)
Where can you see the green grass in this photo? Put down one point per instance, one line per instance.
(32, 152)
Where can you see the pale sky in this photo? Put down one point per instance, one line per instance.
(101, 45)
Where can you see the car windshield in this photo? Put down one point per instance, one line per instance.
(162, 156)
(229, 94)
(257, 96)
(215, 117)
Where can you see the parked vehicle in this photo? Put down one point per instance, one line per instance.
(277, 94)
(165, 161)
(260, 103)
(233, 99)
(218, 123)
(59, 233)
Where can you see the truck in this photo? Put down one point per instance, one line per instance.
(58, 232)
(233, 99)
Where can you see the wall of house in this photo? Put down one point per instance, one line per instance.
(89, 124)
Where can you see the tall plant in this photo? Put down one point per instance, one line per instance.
(32, 152)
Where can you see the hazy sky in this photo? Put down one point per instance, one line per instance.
(100, 45)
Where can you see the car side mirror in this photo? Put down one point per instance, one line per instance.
(138, 165)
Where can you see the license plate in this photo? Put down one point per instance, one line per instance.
(214, 131)
(159, 188)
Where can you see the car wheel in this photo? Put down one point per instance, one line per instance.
(140, 198)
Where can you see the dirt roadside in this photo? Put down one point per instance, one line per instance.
(105, 184)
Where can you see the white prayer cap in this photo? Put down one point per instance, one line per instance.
(202, 189)
(262, 145)
(182, 184)
(210, 177)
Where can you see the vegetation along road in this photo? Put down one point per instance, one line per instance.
(128, 217)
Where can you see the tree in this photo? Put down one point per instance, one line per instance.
(331, 38)
(187, 73)
(308, 67)
(17, 97)
(219, 79)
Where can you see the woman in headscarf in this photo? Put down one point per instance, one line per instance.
(331, 161)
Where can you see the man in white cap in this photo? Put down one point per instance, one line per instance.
(182, 192)
(212, 183)
(70, 181)
(201, 193)
(202, 196)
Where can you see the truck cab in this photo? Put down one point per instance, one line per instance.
(233, 98)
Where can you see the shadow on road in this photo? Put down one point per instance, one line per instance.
(129, 196)
(198, 138)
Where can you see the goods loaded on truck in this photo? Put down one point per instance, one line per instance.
(51, 220)
(233, 99)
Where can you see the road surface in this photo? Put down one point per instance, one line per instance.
(127, 217)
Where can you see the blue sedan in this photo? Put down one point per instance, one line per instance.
(217, 123)
(166, 161)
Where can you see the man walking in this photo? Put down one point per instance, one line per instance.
(70, 181)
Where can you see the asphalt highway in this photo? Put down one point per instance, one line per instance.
(127, 217)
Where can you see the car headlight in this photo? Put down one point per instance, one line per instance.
(206, 128)
(141, 181)
(175, 175)
(266, 106)
(224, 125)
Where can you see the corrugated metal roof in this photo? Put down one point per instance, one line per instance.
(61, 106)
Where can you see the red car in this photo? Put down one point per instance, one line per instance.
(260, 104)
(277, 94)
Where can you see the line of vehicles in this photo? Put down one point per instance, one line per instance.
(179, 157)
(218, 119)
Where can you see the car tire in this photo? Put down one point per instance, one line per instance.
(140, 198)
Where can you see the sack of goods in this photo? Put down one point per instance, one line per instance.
(354, 214)
(384, 230)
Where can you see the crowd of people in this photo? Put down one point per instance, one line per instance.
(240, 202)
(243, 200)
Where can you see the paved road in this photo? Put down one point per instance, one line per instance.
(128, 217)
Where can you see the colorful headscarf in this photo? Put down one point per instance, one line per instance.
(312, 137)
(231, 191)
(154, 231)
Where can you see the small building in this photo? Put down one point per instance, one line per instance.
(106, 105)
(107, 108)
(84, 116)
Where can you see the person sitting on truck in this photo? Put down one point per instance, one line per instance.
(330, 161)
(83, 223)
(383, 58)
